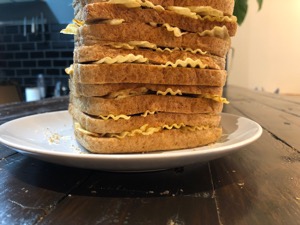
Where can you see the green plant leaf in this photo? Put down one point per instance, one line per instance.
(240, 10)
(260, 2)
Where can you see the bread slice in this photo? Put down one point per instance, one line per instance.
(118, 125)
(89, 54)
(163, 140)
(95, 33)
(146, 74)
(99, 90)
(140, 104)
(225, 6)
(93, 13)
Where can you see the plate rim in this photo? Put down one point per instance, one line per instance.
(131, 156)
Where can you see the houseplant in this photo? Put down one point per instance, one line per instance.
(241, 7)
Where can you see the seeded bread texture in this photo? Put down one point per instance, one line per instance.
(146, 74)
(100, 90)
(98, 125)
(225, 6)
(140, 104)
(126, 32)
(103, 90)
(164, 140)
(92, 13)
(94, 53)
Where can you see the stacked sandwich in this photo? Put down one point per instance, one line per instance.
(148, 75)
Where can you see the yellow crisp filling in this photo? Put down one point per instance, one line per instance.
(127, 93)
(202, 13)
(130, 58)
(176, 31)
(72, 27)
(187, 62)
(148, 112)
(125, 117)
(145, 44)
(169, 91)
(221, 32)
(142, 91)
(115, 117)
(195, 12)
(70, 70)
(216, 98)
(143, 130)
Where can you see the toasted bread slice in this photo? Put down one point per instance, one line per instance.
(93, 13)
(163, 140)
(89, 54)
(119, 125)
(95, 33)
(140, 104)
(99, 90)
(146, 74)
(225, 6)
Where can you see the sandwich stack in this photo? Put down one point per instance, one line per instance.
(148, 75)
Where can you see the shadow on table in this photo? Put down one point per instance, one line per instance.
(194, 180)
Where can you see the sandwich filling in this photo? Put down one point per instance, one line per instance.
(147, 45)
(143, 130)
(148, 76)
(217, 31)
(195, 12)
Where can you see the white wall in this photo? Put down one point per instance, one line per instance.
(267, 48)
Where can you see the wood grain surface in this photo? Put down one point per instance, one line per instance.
(259, 184)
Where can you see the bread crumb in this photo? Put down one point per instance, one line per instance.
(52, 137)
(297, 198)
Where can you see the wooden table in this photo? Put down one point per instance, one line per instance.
(259, 184)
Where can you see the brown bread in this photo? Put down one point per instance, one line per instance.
(140, 104)
(164, 140)
(94, 53)
(146, 74)
(93, 13)
(94, 90)
(225, 6)
(98, 125)
(95, 33)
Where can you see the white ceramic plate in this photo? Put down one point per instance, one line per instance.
(49, 137)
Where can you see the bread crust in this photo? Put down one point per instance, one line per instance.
(92, 13)
(98, 125)
(146, 74)
(94, 53)
(164, 140)
(140, 104)
(126, 32)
